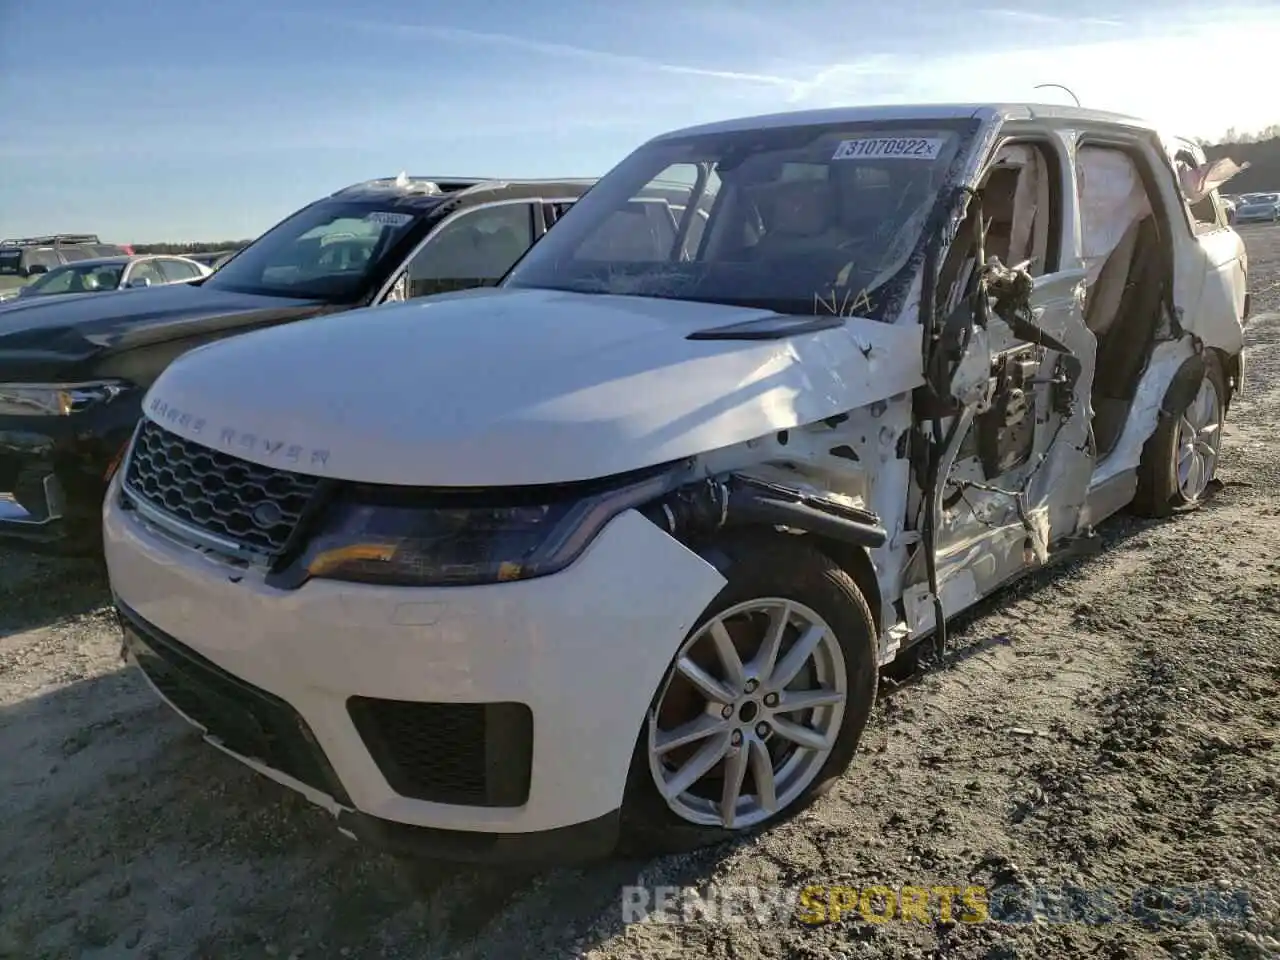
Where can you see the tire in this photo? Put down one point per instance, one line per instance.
(1160, 492)
(762, 567)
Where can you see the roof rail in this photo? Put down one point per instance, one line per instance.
(415, 183)
(51, 240)
(482, 185)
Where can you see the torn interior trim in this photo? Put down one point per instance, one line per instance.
(700, 509)
(1199, 182)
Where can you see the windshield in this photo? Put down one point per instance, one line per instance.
(327, 251)
(79, 278)
(788, 219)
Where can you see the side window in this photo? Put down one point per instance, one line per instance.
(175, 270)
(551, 212)
(647, 229)
(1021, 210)
(73, 254)
(145, 270)
(60, 281)
(105, 277)
(697, 226)
(45, 259)
(644, 231)
(1020, 203)
(1204, 212)
(475, 250)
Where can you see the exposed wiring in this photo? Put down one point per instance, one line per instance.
(940, 442)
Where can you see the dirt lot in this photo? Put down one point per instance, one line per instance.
(1115, 723)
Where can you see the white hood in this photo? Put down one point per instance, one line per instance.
(508, 387)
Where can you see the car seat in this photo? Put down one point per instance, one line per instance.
(803, 238)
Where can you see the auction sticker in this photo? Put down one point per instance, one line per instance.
(389, 219)
(889, 148)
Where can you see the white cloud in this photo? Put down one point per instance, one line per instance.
(1183, 78)
(1030, 16)
(1169, 70)
(459, 35)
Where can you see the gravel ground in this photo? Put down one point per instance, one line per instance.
(1110, 724)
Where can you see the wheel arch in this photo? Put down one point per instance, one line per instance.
(856, 562)
(1183, 385)
(851, 558)
(1232, 365)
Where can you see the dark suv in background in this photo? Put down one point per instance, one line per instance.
(73, 371)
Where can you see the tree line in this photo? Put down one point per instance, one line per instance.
(1234, 136)
(187, 248)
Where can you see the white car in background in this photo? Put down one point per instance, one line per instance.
(109, 273)
(614, 552)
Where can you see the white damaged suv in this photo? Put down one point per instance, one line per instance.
(616, 550)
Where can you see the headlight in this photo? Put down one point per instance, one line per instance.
(461, 539)
(56, 399)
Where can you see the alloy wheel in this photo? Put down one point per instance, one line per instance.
(749, 714)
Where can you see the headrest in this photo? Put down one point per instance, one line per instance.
(800, 208)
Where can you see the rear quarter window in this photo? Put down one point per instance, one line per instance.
(47, 258)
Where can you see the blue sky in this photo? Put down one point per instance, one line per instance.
(212, 119)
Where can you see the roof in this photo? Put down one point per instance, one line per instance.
(425, 192)
(98, 261)
(128, 258)
(911, 111)
(51, 240)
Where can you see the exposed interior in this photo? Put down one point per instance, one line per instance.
(1019, 219)
(1020, 203)
(1127, 274)
(1126, 278)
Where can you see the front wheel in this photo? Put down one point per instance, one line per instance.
(763, 706)
(1180, 460)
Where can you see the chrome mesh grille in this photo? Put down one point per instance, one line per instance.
(216, 492)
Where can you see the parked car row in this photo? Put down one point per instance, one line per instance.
(1258, 208)
(30, 256)
(105, 274)
(610, 555)
(374, 242)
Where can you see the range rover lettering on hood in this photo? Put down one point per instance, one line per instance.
(522, 387)
(262, 449)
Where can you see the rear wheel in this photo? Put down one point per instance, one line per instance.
(762, 709)
(1180, 460)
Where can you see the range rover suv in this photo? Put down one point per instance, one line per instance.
(614, 553)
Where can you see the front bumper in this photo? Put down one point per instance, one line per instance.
(581, 653)
(53, 470)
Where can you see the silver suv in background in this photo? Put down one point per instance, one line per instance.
(108, 273)
(28, 256)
